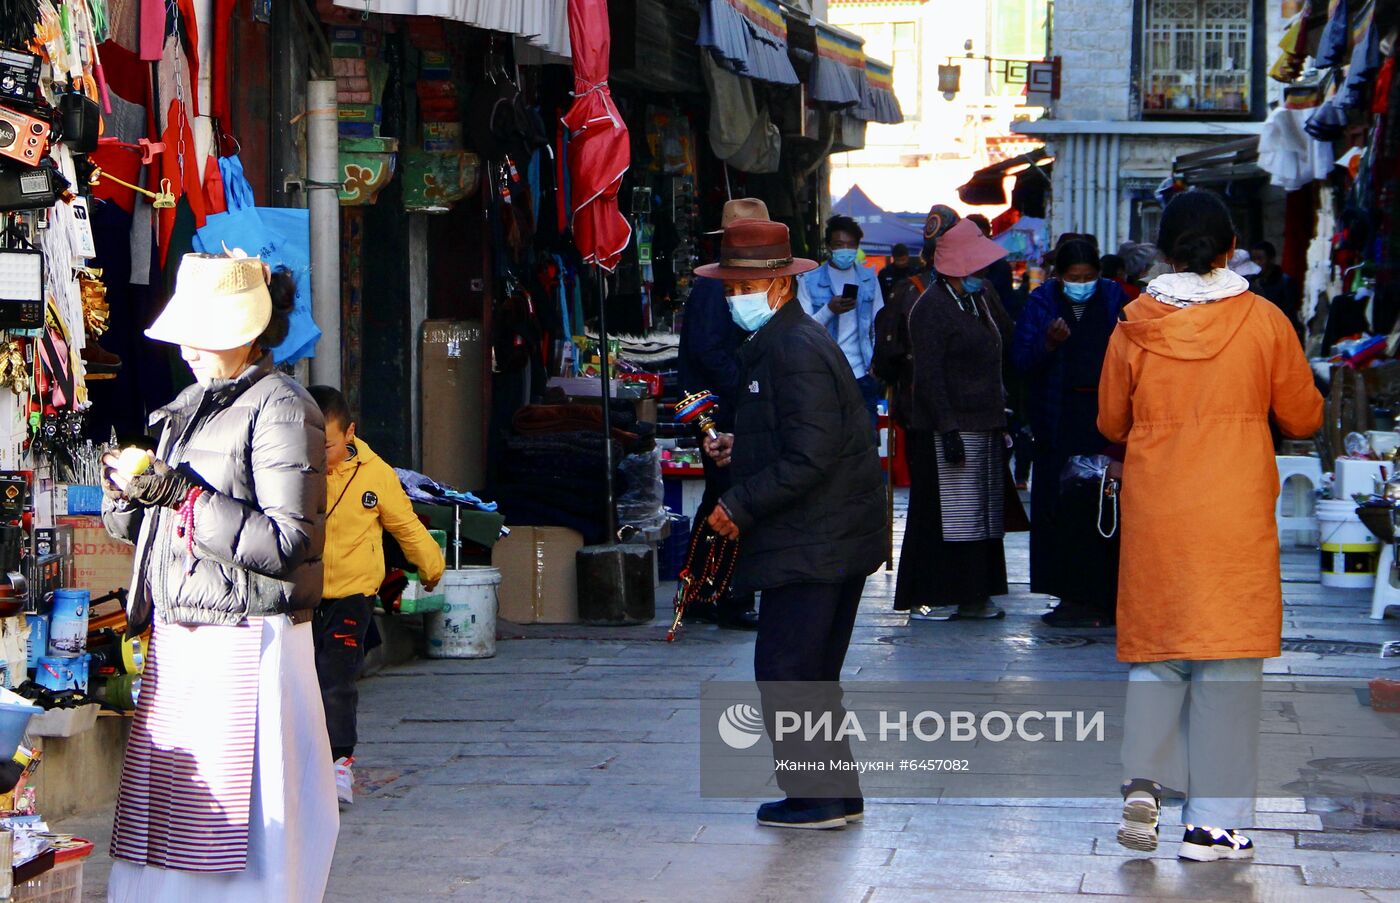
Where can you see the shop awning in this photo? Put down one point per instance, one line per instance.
(838, 69)
(542, 23)
(1230, 162)
(879, 103)
(883, 230)
(748, 37)
(988, 184)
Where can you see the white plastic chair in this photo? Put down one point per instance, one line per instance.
(1299, 479)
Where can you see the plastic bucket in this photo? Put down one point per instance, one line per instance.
(1349, 549)
(466, 626)
(68, 624)
(14, 718)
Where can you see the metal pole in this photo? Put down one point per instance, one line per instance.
(610, 516)
(323, 169)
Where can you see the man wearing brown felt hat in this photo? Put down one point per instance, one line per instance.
(709, 362)
(806, 504)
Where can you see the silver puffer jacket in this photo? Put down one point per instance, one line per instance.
(257, 443)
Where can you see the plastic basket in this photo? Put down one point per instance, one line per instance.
(61, 884)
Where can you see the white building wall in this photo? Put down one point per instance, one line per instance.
(1093, 39)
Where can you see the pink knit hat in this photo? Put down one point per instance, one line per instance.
(963, 250)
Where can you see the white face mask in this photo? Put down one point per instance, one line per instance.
(750, 311)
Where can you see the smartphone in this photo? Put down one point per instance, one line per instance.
(849, 292)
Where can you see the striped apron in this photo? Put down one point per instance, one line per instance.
(971, 495)
(187, 780)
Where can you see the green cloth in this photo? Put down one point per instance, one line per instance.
(480, 527)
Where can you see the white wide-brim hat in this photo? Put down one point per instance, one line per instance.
(1243, 264)
(221, 302)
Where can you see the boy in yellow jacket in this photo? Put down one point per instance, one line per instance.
(363, 499)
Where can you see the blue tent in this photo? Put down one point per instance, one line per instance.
(883, 230)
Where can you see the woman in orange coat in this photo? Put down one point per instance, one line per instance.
(1190, 382)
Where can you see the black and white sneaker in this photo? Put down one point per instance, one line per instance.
(1211, 844)
(1142, 805)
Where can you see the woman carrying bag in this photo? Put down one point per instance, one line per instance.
(1192, 378)
(1061, 339)
(227, 790)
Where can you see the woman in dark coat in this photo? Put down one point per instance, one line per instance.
(1060, 343)
(952, 561)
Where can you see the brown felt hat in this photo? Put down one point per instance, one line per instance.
(740, 208)
(755, 249)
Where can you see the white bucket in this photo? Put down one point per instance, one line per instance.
(1349, 550)
(466, 626)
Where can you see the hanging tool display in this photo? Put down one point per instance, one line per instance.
(160, 200)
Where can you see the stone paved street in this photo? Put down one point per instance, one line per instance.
(566, 769)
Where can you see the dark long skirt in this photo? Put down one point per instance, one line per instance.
(1069, 557)
(935, 571)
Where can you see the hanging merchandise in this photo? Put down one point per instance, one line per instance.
(280, 236)
(21, 284)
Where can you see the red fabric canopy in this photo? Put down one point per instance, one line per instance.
(599, 150)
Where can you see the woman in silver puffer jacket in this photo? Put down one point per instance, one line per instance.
(227, 790)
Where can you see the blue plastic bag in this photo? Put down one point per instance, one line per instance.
(281, 236)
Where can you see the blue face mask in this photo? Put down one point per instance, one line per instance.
(750, 311)
(973, 284)
(1080, 291)
(843, 258)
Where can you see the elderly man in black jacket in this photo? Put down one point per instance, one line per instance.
(709, 362)
(806, 503)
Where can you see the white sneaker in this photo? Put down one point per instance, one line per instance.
(1141, 811)
(345, 779)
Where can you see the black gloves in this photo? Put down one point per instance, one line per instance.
(160, 487)
(953, 451)
(109, 488)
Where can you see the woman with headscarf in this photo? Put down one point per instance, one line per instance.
(953, 560)
(1061, 339)
(227, 793)
(1192, 379)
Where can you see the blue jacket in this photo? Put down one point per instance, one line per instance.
(1050, 374)
(710, 341)
(815, 291)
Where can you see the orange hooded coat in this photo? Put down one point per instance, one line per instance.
(1191, 390)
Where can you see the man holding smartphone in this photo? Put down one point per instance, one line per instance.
(844, 297)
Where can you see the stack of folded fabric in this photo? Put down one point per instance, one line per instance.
(553, 472)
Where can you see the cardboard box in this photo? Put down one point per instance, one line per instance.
(539, 576)
(100, 563)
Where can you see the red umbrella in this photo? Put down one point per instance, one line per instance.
(599, 152)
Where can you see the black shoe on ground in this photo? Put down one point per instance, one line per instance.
(1212, 844)
(705, 613)
(792, 813)
(1073, 616)
(741, 620)
(1142, 805)
(855, 809)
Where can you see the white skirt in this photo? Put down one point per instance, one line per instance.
(294, 818)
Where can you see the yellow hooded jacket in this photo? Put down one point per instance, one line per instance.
(363, 499)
